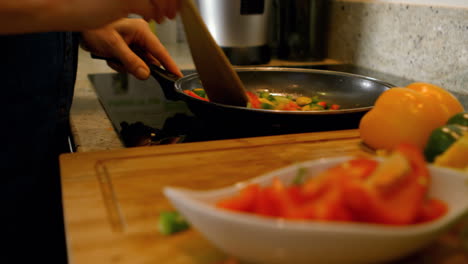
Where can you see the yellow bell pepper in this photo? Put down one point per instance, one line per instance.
(456, 156)
(407, 114)
(439, 98)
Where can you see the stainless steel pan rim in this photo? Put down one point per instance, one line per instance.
(179, 89)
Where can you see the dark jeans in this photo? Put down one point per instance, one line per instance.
(37, 75)
(35, 226)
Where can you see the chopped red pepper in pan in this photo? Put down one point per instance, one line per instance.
(266, 100)
(188, 92)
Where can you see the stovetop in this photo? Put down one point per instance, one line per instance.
(142, 116)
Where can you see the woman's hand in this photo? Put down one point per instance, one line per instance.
(114, 41)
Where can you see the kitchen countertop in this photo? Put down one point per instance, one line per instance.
(112, 199)
(91, 128)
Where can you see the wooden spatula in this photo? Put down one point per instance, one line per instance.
(220, 81)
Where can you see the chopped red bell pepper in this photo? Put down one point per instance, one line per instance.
(329, 206)
(296, 194)
(326, 190)
(391, 192)
(291, 106)
(264, 205)
(244, 201)
(323, 104)
(358, 168)
(254, 100)
(317, 186)
(279, 196)
(189, 92)
(431, 209)
(335, 107)
(393, 195)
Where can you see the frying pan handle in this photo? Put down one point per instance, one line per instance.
(165, 78)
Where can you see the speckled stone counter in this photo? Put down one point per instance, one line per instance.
(91, 128)
(419, 42)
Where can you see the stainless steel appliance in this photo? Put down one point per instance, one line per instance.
(240, 27)
(302, 26)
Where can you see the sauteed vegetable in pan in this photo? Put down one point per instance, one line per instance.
(274, 101)
(354, 95)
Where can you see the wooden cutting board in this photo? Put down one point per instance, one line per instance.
(112, 199)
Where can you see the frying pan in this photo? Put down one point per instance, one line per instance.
(355, 94)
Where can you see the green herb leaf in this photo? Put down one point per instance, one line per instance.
(171, 222)
(300, 176)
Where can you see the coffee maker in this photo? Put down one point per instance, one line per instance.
(240, 27)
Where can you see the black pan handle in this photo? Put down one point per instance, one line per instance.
(165, 78)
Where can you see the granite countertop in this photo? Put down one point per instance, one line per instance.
(91, 128)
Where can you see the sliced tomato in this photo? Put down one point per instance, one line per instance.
(325, 192)
(279, 200)
(296, 194)
(360, 168)
(284, 203)
(264, 205)
(244, 201)
(329, 206)
(354, 169)
(432, 209)
(391, 198)
(391, 192)
(322, 183)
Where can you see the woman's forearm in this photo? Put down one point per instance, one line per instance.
(24, 16)
(28, 16)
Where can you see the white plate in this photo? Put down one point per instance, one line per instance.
(268, 240)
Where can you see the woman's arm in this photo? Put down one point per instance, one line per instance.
(27, 16)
